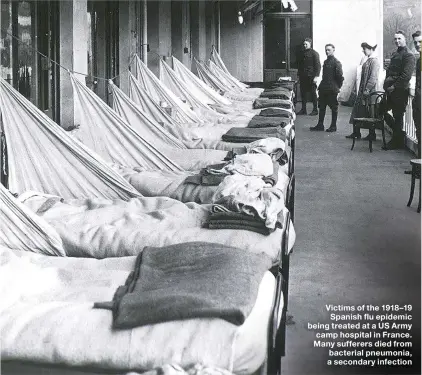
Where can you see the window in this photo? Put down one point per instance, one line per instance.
(103, 45)
(35, 27)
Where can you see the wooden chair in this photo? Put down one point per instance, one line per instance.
(374, 107)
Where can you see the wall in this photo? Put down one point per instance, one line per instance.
(241, 45)
(128, 39)
(180, 31)
(346, 24)
(73, 47)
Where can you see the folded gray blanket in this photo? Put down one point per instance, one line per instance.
(265, 103)
(275, 112)
(240, 221)
(187, 281)
(277, 94)
(267, 122)
(246, 135)
(206, 180)
(288, 84)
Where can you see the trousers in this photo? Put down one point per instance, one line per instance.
(416, 109)
(308, 89)
(328, 99)
(397, 103)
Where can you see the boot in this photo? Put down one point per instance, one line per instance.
(315, 110)
(320, 125)
(333, 126)
(397, 142)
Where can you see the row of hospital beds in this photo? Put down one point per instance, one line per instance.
(153, 236)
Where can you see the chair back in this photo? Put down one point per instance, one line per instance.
(375, 105)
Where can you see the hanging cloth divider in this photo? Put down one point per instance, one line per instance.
(216, 59)
(103, 130)
(22, 229)
(43, 157)
(161, 94)
(198, 87)
(169, 78)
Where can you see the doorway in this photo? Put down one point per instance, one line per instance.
(283, 37)
(103, 45)
(34, 26)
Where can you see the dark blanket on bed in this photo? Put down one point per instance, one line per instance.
(187, 281)
(265, 103)
(279, 94)
(275, 112)
(288, 84)
(241, 221)
(246, 135)
(267, 122)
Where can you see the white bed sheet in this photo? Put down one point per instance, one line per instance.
(102, 228)
(50, 321)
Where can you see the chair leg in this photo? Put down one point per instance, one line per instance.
(370, 146)
(383, 137)
(419, 204)
(353, 144)
(412, 189)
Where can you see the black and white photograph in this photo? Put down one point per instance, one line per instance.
(210, 187)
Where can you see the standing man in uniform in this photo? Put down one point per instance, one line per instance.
(309, 68)
(332, 80)
(396, 86)
(416, 104)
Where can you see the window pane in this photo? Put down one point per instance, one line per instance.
(275, 44)
(6, 69)
(300, 28)
(25, 61)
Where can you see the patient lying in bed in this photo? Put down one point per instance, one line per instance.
(102, 228)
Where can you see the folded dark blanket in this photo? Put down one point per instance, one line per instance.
(266, 122)
(187, 281)
(246, 135)
(288, 84)
(265, 103)
(285, 95)
(261, 230)
(205, 180)
(275, 112)
(277, 89)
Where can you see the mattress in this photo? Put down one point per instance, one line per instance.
(103, 228)
(47, 318)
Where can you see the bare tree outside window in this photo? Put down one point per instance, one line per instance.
(402, 15)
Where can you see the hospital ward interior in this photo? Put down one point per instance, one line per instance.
(165, 209)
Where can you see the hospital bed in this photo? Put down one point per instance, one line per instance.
(58, 332)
